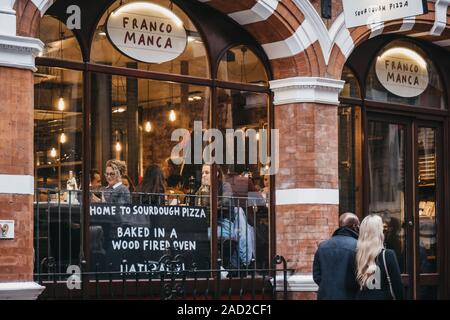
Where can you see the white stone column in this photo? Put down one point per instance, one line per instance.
(7, 18)
(306, 90)
(15, 51)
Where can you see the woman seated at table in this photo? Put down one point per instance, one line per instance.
(116, 192)
(153, 186)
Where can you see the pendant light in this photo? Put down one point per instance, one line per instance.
(148, 125)
(53, 153)
(118, 145)
(61, 102)
(172, 116)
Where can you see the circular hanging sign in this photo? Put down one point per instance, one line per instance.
(146, 32)
(402, 72)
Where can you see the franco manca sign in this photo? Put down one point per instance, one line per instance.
(146, 32)
(403, 72)
(366, 12)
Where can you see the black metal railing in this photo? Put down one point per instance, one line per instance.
(168, 283)
(58, 225)
(242, 246)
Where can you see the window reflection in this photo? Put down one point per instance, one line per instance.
(240, 64)
(134, 120)
(387, 152)
(427, 200)
(246, 113)
(58, 126)
(351, 87)
(60, 42)
(350, 159)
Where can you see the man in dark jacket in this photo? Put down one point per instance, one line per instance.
(334, 268)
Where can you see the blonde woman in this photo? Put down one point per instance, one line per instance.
(116, 192)
(377, 269)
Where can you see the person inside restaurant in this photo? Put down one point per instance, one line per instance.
(116, 192)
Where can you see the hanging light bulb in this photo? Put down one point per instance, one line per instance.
(148, 126)
(53, 153)
(257, 136)
(172, 116)
(118, 146)
(61, 104)
(62, 138)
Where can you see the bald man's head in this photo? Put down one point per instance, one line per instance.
(349, 220)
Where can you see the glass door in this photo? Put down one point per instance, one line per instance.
(388, 185)
(403, 187)
(428, 204)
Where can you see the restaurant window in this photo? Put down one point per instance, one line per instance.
(59, 41)
(58, 118)
(242, 119)
(153, 122)
(351, 87)
(350, 146)
(241, 64)
(139, 116)
(350, 162)
(133, 121)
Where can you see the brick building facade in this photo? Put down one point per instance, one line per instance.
(307, 54)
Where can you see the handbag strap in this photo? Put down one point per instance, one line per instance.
(387, 275)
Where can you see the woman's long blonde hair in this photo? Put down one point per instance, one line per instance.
(370, 244)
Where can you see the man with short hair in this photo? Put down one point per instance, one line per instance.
(96, 179)
(334, 261)
(95, 185)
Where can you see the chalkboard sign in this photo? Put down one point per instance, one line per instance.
(143, 234)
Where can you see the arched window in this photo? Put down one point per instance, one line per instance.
(349, 134)
(241, 64)
(59, 41)
(351, 87)
(58, 115)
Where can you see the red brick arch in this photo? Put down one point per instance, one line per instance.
(279, 26)
(422, 25)
(28, 18)
(307, 56)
